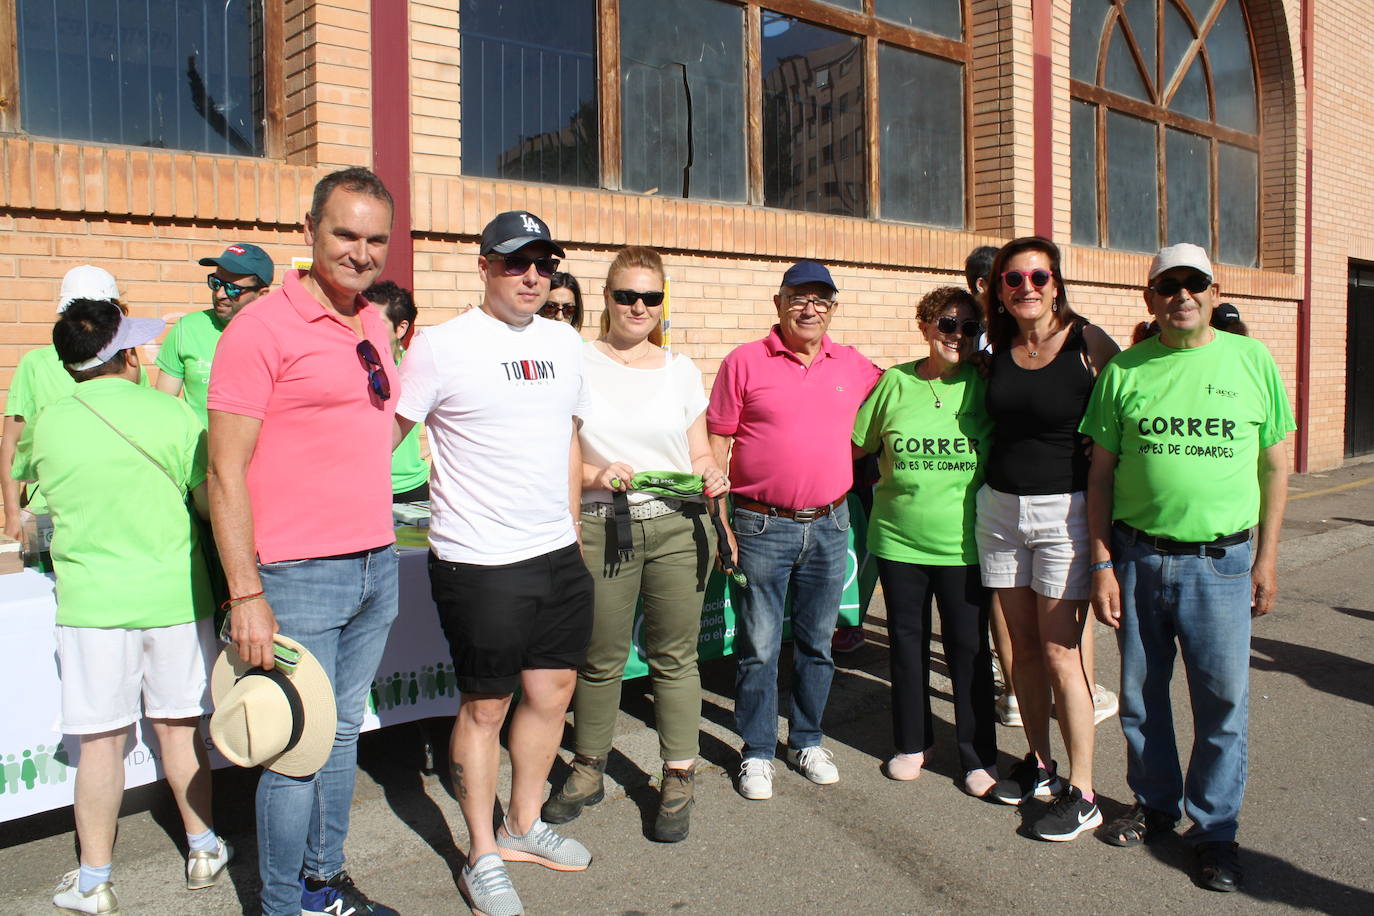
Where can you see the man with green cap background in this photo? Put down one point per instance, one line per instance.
(242, 274)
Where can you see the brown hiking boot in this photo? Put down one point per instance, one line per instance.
(675, 804)
(585, 785)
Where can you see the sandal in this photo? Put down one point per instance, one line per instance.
(1138, 825)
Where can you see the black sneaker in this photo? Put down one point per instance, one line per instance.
(1069, 816)
(1025, 780)
(338, 897)
(1218, 866)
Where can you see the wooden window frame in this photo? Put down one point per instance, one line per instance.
(1162, 117)
(274, 84)
(872, 33)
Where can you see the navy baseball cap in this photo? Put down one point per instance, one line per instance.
(807, 272)
(1226, 313)
(244, 259)
(513, 230)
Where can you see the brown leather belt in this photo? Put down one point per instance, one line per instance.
(797, 515)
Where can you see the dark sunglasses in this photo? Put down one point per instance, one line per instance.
(231, 290)
(550, 309)
(628, 297)
(969, 327)
(1039, 278)
(376, 373)
(1169, 286)
(516, 265)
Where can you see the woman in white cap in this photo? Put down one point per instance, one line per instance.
(647, 414)
(38, 380)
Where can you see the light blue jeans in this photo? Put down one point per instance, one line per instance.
(811, 559)
(341, 609)
(1202, 604)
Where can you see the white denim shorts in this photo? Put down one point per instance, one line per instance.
(105, 673)
(1035, 541)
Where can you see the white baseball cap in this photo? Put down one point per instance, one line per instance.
(1184, 254)
(86, 282)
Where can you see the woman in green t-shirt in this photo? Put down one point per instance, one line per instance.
(929, 419)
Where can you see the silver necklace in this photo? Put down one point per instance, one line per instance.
(614, 352)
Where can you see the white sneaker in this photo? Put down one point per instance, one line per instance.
(1105, 704)
(1008, 710)
(816, 764)
(101, 901)
(756, 778)
(204, 867)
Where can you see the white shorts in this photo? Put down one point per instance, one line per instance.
(1035, 541)
(106, 671)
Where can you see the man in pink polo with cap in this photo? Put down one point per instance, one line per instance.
(781, 413)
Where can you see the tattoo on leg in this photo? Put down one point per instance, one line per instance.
(459, 789)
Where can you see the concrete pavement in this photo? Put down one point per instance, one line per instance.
(867, 844)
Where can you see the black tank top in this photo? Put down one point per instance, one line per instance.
(1036, 447)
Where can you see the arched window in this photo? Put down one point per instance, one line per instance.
(1165, 126)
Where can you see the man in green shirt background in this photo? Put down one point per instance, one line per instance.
(133, 631)
(242, 274)
(1188, 456)
(409, 472)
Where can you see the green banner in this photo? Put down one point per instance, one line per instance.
(718, 617)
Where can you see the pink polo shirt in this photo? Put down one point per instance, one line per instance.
(791, 422)
(320, 476)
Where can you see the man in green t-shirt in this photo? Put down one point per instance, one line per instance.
(1189, 456)
(409, 472)
(242, 274)
(134, 611)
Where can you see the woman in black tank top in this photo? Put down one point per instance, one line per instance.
(1032, 525)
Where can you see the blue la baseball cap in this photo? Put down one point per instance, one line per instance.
(244, 259)
(807, 272)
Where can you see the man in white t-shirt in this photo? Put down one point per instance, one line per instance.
(499, 390)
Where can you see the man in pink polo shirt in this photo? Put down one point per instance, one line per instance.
(781, 413)
(302, 396)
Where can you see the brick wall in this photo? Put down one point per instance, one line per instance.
(147, 214)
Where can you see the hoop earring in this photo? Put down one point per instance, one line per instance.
(1001, 309)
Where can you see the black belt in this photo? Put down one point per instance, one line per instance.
(797, 515)
(1214, 549)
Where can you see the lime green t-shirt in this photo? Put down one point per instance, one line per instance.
(1187, 427)
(931, 464)
(186, 354)
(124, 548)
(408, 469)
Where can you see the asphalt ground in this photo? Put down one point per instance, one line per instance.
(867, 844)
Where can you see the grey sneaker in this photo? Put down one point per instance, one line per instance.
(543, 847)
(815, 763)
(101, 901)
(204, 867)
(585, 786)
(487, 888)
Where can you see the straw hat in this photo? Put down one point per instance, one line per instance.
(285, 722)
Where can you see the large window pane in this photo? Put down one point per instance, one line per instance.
(939, 16)
(1083, 158)
(1085, 30)
(813, 90)
(682, 99)
(1238, 199)
(1132, 184)
(1233, 72)
(1188, 163)
(1123, 75)
(921, 99)
(168, 73)
(529, 90)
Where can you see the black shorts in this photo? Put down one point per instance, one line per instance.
(502, 620)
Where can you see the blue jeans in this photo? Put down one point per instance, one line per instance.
(341, 609)
(1203, 604)
(811, 558)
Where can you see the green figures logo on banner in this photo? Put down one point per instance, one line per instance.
(717, 637)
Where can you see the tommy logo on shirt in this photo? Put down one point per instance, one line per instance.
(530, 371)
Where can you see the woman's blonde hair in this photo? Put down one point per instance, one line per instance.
(633, 256)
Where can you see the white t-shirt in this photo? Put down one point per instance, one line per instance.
(639, 416)
(499, 402)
